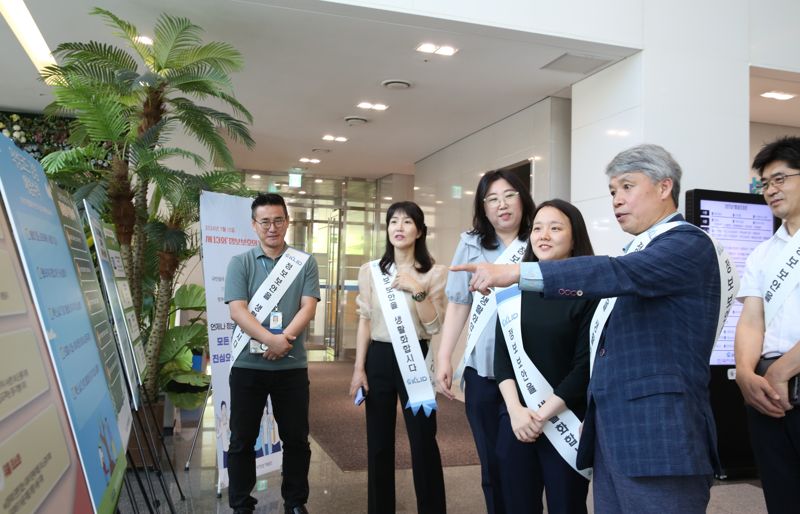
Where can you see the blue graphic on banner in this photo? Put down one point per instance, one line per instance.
(65, 320)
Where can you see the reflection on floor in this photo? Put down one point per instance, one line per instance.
(336, 492)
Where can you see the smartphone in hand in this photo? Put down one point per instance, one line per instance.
(360, 396)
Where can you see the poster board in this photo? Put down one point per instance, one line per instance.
(65, 320)
(120, 302)
(40, 469)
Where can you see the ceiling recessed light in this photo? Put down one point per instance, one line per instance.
(469, 192)
(416, 188)
(396, 84)
(302, 192)
(144, 40)
(305, 159)
(328, 137)
(355, 120)
(446, 51)
(314, 161)
(340, 139)
(318, 180)
(427, 48)
(372, 106)
(778, 95)
(439, 202)
(387, 197)
(255, 176)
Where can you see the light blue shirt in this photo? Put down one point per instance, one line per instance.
(530, 273)
(470, 251)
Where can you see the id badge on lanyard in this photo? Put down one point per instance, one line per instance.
(275, 326)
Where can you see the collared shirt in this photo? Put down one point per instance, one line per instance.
(246, 272)
(530, 274)
(784, 331)
(469, 250)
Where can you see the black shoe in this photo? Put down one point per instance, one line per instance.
(301, 509)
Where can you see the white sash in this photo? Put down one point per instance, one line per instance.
(484, 307)
(562, 430)
(729, 285)
(783, 275)
(405, 343)
(269, 294)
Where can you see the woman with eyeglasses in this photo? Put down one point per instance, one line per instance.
(555, 338)
(400, 305)
(502, 218)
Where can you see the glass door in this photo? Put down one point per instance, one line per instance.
(332, 289)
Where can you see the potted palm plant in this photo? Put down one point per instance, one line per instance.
(124, 104)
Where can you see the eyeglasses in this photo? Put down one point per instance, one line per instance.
(494, 200)
(775, 180)
(266, 223)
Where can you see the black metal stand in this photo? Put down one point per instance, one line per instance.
(161, 439)
(141, 485)
(197, 429)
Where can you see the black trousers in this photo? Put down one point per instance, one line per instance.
(482, 403)
(289, 392)
(528, 469)
(385, 385)
(776, 446)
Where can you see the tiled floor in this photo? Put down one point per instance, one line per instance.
(336, 492)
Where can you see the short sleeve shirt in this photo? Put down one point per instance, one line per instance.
(470, 251)
(246, 272)
(784, 331)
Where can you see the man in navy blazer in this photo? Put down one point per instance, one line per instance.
(649, 430)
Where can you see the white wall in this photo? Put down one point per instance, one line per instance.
(773, 30)
(541, 130)
(687, 91)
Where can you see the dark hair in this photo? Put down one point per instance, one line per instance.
(581, 244)
(481, 226)
(268, 199)
(421, 254)
(783, 149)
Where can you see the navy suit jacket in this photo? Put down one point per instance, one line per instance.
(648, 396)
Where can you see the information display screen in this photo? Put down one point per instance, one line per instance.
(739, 222)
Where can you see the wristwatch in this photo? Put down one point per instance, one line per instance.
(418, 297)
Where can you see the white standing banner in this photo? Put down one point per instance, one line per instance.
(226, 231)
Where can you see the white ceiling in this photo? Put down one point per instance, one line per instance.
(774, 112)
(309, 62)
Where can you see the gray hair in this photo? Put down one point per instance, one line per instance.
(652, 160)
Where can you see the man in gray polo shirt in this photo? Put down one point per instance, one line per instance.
(280, 370)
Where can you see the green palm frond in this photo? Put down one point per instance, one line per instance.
(103, 118)
(173, 35)
(127, 31)
(203, 128)
(222, 181)
(238, 108)
(96, 193)
(236, 129)
(77, 159)
(93, 52)
(217, 55)
(198, 77)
